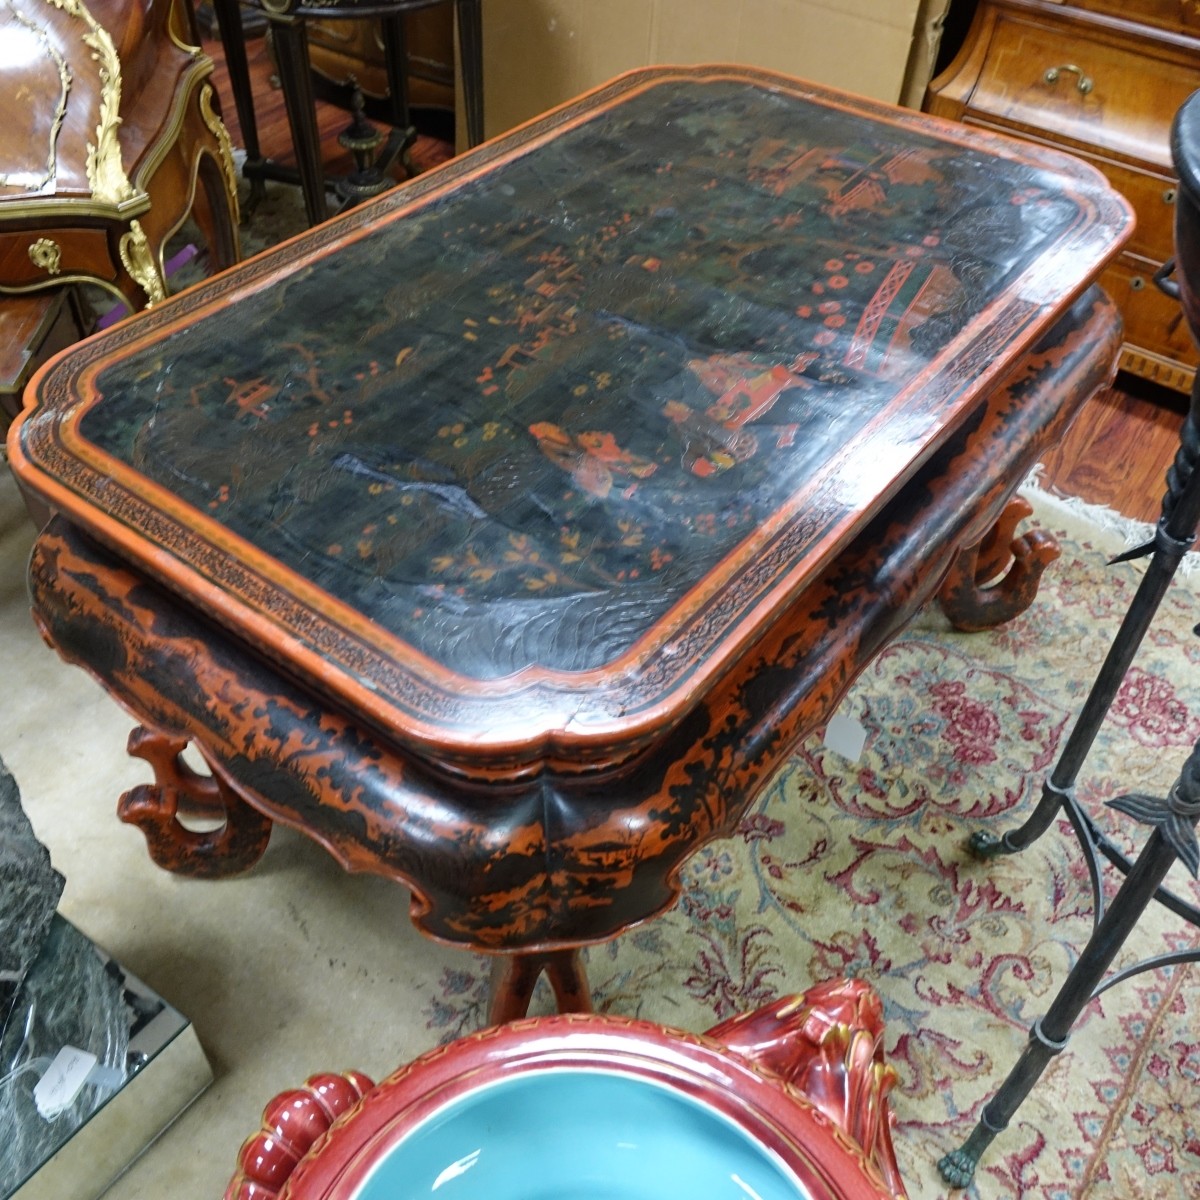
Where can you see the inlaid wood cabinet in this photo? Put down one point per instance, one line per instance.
(1102, 79)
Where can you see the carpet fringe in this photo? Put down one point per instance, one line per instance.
(1108, 530)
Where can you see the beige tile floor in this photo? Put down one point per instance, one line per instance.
(292, 968)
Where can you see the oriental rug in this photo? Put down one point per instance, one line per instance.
(861, 868)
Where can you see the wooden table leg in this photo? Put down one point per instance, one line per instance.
(233, 44)
(235, 846)
(514, 977)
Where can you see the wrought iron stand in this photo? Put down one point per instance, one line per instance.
(1173, 820)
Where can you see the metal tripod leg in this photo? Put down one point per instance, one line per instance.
(1173, 538)
(1174, 821)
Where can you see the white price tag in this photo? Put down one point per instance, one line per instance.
(845, 736)
(62, 1080)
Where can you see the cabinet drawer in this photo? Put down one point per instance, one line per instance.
(1153, 321)
(1071, 81)
(61, 252)
(1153, 200)
(1175, 16)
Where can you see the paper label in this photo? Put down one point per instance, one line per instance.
(845, 736)
(62, 1080)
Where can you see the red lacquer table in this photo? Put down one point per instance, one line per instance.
(506, 533)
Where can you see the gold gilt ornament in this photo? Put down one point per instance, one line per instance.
(106, 175)
(46, 254)
(217, 128)
(60, 107)
(139, 262)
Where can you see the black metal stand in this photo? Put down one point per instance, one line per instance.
(287, 21)
(1173, 819)
(371, 164)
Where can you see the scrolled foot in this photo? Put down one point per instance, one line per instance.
(994, 555)
(155, 809)
(199, 795)
(957, 1168)
(997, 580)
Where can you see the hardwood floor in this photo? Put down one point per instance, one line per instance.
(1116, 453)
(1119, 448)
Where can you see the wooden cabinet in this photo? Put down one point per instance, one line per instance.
(1102, 79)
(340, 49)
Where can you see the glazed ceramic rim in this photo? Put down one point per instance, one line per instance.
(811, 1149)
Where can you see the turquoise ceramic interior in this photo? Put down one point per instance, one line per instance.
(575, 1134)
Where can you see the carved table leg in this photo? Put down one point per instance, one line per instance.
(970, 598)
(515, 975)
(199, 795)
(155, 809)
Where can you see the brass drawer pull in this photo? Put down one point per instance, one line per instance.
(46, 254)
(1084, 85)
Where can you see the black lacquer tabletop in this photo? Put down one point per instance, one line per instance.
(538, 443)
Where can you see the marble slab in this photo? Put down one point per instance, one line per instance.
(29, 892)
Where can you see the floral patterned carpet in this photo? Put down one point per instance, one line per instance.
(861, 868)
